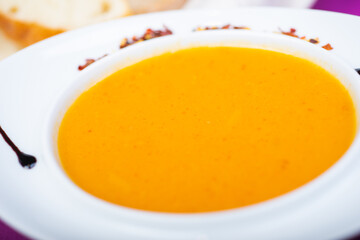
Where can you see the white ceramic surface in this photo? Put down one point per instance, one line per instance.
(38, 201)
(216, 4)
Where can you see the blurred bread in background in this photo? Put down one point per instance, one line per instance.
(24, 22)
(29, 21)
(7, 46)
(144, 6)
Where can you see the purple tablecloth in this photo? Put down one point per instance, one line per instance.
(348, 6)
(344, 6)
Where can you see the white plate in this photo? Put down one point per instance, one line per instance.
(194, 4)
(31, 80)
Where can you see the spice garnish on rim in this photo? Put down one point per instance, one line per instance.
(149, 34)
(90, 61)
(227, 26)
(292, 33)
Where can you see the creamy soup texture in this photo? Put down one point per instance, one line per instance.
(206, 129)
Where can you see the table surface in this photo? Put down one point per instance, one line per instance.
(347, 6)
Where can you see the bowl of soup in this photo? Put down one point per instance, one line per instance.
(192, 126)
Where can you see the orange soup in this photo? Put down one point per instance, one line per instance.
(206, 129)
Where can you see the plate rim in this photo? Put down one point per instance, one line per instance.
(69, 34)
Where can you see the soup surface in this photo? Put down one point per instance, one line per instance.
(206, 129)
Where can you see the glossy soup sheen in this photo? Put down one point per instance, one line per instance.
(206, 129)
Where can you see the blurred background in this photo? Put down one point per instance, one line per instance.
(24, 22)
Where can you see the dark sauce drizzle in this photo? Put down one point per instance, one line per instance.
(357, 70)
(25, 160)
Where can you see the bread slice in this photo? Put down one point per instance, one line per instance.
(144, 6)
(28, 21)
(7, 46)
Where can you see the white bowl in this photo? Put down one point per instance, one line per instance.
(233, 223)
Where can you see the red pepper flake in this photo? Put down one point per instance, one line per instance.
(149, 34)
(314, 41)
(291, 33)
(328, 47)
(227, 26)
(89, 61)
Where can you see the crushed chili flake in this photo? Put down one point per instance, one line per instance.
(227, 26)
(328, 47)
(89, 61)
(314, 41)
(149, 34)
(292, 33)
